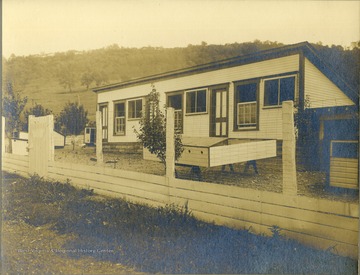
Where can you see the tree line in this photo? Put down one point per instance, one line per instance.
(73, 71)
(115, 63)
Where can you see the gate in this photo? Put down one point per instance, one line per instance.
(41, 144)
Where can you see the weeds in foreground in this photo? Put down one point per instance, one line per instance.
(165, 239)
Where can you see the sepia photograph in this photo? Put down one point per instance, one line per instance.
(180, 137)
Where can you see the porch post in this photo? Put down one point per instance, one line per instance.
(288, 149)
(170, 144)
(99, 151)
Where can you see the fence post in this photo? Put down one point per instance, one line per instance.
(288, 149)
(170, 144)
(99, 151)
(41, 144)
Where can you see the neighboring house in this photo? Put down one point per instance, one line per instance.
(236, 98)
(20, 143)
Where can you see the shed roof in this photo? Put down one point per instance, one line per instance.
(300, 48)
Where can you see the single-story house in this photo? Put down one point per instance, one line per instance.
(240, 98)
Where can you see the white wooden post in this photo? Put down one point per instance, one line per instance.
(99, 151)
(170, 144)
(41, 144)
(288, 149)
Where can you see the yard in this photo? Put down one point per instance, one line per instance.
(311, 184)
(54, 228)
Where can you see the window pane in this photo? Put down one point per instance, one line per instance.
(131, 105)
(246, 92)
(135, 108)
(120, 118)
(120, 109)
(287, 88)
(138, 108)
(271, 92)
(190, 102)
(218, 106)
(201, 101)
(175, 101)
(253, 113)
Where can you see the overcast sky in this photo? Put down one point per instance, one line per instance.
(47, 26)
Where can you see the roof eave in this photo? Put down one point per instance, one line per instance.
(236, 61)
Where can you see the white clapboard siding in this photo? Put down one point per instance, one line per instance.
(194, 125)
(270, 120)
(321, 91)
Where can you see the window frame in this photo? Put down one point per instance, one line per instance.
(279, 105)
(237, 102)
(129, 117)
(181, 130)
(206, 101)
(116, 133)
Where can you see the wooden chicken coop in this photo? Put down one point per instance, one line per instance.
(213, 151)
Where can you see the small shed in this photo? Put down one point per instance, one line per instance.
(90, 135)
(212, 151)
(59, 140)
(20, 143)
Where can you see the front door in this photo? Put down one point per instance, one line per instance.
(219, 113)
(104, 121)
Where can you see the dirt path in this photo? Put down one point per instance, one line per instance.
(38, 250)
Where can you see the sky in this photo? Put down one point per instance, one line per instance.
(48, 26)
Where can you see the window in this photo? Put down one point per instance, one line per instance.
(119, 118)
(135, 108)
(196, 102)
(279, 90)
(246, 106)
(176, 102)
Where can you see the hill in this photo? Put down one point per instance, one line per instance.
(54, 79)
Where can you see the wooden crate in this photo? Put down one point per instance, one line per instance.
(210, 152)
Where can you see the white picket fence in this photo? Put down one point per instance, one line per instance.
(316, 222)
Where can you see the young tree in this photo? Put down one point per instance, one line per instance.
(72, 119)
(152, 132)
(12, 104)
(37, 110)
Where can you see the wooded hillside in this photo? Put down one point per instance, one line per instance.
(54, 79)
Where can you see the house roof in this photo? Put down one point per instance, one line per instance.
(303, 47)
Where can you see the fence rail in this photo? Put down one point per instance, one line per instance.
(317, 222)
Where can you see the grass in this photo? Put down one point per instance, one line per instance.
(157, 240)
